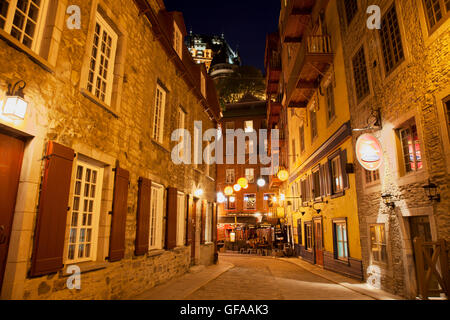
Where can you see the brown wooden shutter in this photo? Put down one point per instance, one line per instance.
(327, 178)
(119, 215)
(214, 223)
(52, 213)
(172, 213)
(189, 219)
(344, 169)
(203, 229)
(143, 216)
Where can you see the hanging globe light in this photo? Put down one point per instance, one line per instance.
(245, 187)
(283, 175)
(228, 191)
(242, 182)
(261, 182)
(237, 187)
(220, 197)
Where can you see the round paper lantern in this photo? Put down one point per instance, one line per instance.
(237, 188)
(242, 182)
(283, 175)
(228, 191)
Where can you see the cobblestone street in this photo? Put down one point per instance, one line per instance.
(242, 277)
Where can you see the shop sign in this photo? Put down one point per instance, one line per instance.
(369, 152)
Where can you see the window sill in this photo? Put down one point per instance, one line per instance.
(155, 253)
(98, 102)
(413, 177)
(11, 41)
(160, 145)
(338, 195)
(85, 267)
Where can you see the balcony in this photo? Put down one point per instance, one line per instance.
(272, 62)
(274, 110)
(294, 19)
(312, 63)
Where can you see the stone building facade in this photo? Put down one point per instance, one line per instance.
(103, 101)
(403, 70)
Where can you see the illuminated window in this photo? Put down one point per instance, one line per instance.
(340, 239)
(158, 119)
(101, 66)
(337, 182)
(351, 8)
(436, 11)
(360, 75)
(378, 243)
(85, 213)
(250, 201)
(24, 20)
(391, 40)
(412, 156)
(248, 126)
(250, 175)
(230, 203)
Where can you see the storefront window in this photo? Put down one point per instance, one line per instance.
(378, 243)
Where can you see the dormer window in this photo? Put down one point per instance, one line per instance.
(177, 40)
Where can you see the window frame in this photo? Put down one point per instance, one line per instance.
(159, 136)
(181, 219)
(372, 257)
(309, 243)
(346, 10)
(226, 175)
(314, 125)
(158, 217)
(409, 125)
(331, 104)
(302, 138)
(246, 195)
(317, 194)
(438, 24)
(357, 68)
(336, 159)
(341, 222)
(178, 40)
(96, 212)
(248, 129)
(40, 24)
(248, 175)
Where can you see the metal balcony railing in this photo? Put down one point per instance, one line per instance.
(319, 44)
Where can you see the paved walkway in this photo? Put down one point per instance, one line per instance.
(240, 277)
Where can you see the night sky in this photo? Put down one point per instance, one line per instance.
(245, 23)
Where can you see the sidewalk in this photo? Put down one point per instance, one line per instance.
(344, 281)
(181, 287)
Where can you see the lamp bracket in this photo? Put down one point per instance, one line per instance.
(16, 89)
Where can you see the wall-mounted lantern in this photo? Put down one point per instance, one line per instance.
(14, 104)
(198, 193)
(388, 200)
(431, 191)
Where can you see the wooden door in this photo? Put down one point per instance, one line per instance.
(193, 218)
(318, 241)
(11, 154)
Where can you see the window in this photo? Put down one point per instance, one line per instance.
(316, 184)
(24, 20)
(351, 8)
(229, 125)
(341, 241)
(178, 40)
(101, 66)
(158, 120)
(85, 213)
(436, 11)
(230, 176)
(391, 40)
(231, 203)
(181, 219)
(250, 201)
(314, 132)
(412, 156)
(308, 236)
(156, 217)
(378, 243)
(304, 191)
(302, 138)
(331, 109)
(181, 121)
(250, 175)
(360, 75)
(249, 146)
(337, 182)
(372, 176)
(248, 126)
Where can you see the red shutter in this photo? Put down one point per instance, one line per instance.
(119, 215)
(172, 212)
(143, 216)
(190, 219)
(52, 213)
(203, 229)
